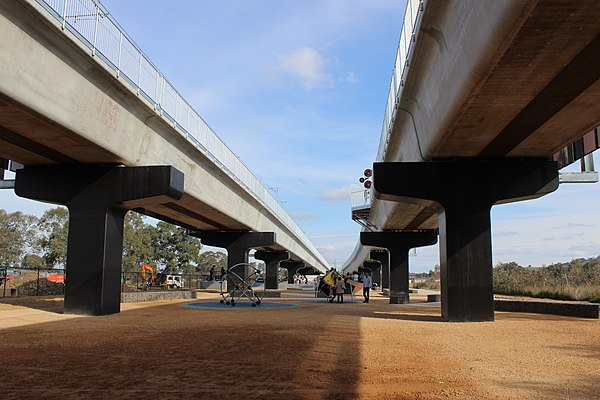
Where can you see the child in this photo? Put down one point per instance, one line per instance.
(339, 289)
(331, 293)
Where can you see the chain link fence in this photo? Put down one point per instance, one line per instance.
(51, 282)
(31, 282)
(135, 281)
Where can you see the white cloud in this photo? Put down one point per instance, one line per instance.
(303, 216)
(329, 248)
(572, 225)
(307, 64)
(351, 77)
(505, 233)
(339, 194)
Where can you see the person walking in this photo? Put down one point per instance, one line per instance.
(212, 273)
(367, 283)
(222, 273)
(339, 289)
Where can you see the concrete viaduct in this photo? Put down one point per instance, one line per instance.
(99, 129)
(487, 100)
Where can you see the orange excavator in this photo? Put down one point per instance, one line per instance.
(147, 282)
(164, 281)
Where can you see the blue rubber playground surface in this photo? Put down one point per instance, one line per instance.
(241, 304)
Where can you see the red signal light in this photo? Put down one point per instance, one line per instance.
(368, 172)
(367, 184)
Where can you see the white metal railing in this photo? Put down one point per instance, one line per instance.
(360, 198)
(412, 15)
(91, 23)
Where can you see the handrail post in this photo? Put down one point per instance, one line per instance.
(64, 16)
(120, 52)
(95, 29)
(139, 77)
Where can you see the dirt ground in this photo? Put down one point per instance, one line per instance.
(314, 351)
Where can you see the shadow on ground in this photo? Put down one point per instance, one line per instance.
(173, 351)
(54, 304)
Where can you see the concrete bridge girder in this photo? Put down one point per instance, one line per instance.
(41, 126)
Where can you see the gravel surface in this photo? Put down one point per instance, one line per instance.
(313, 351)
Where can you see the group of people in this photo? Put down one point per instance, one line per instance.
(300, 279)
(337, 288)
(212, 274)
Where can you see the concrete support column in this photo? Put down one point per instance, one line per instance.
(465, 190)
(375, 267)
(272, 260)
(3, 167)
(292, 267)
(97, 198)
(398, 245)
(384, 258)
(237, 244)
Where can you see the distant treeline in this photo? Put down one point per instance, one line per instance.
(32, 242)
(575, 280)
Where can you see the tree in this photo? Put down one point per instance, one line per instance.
(35, 262)
(510, 278)
(210, 258)
(138, 239)
(54, 225)
(176, 251)
(17, 234)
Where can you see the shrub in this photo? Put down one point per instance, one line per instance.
(547, 294)
(595, 299)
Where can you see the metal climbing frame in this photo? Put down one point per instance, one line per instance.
(243, 288)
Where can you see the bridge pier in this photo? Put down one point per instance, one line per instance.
(374, 267)
(465, 190)
(383, 256)
(272, 260)
(398, 245)
(237, 244)
(3, 167)
(98, 197)
(292, 267)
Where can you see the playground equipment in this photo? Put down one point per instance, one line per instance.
(234, 287)
(324, 284)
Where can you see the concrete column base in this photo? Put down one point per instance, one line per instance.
(400, 298)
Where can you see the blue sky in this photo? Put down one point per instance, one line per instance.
(297, 89)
